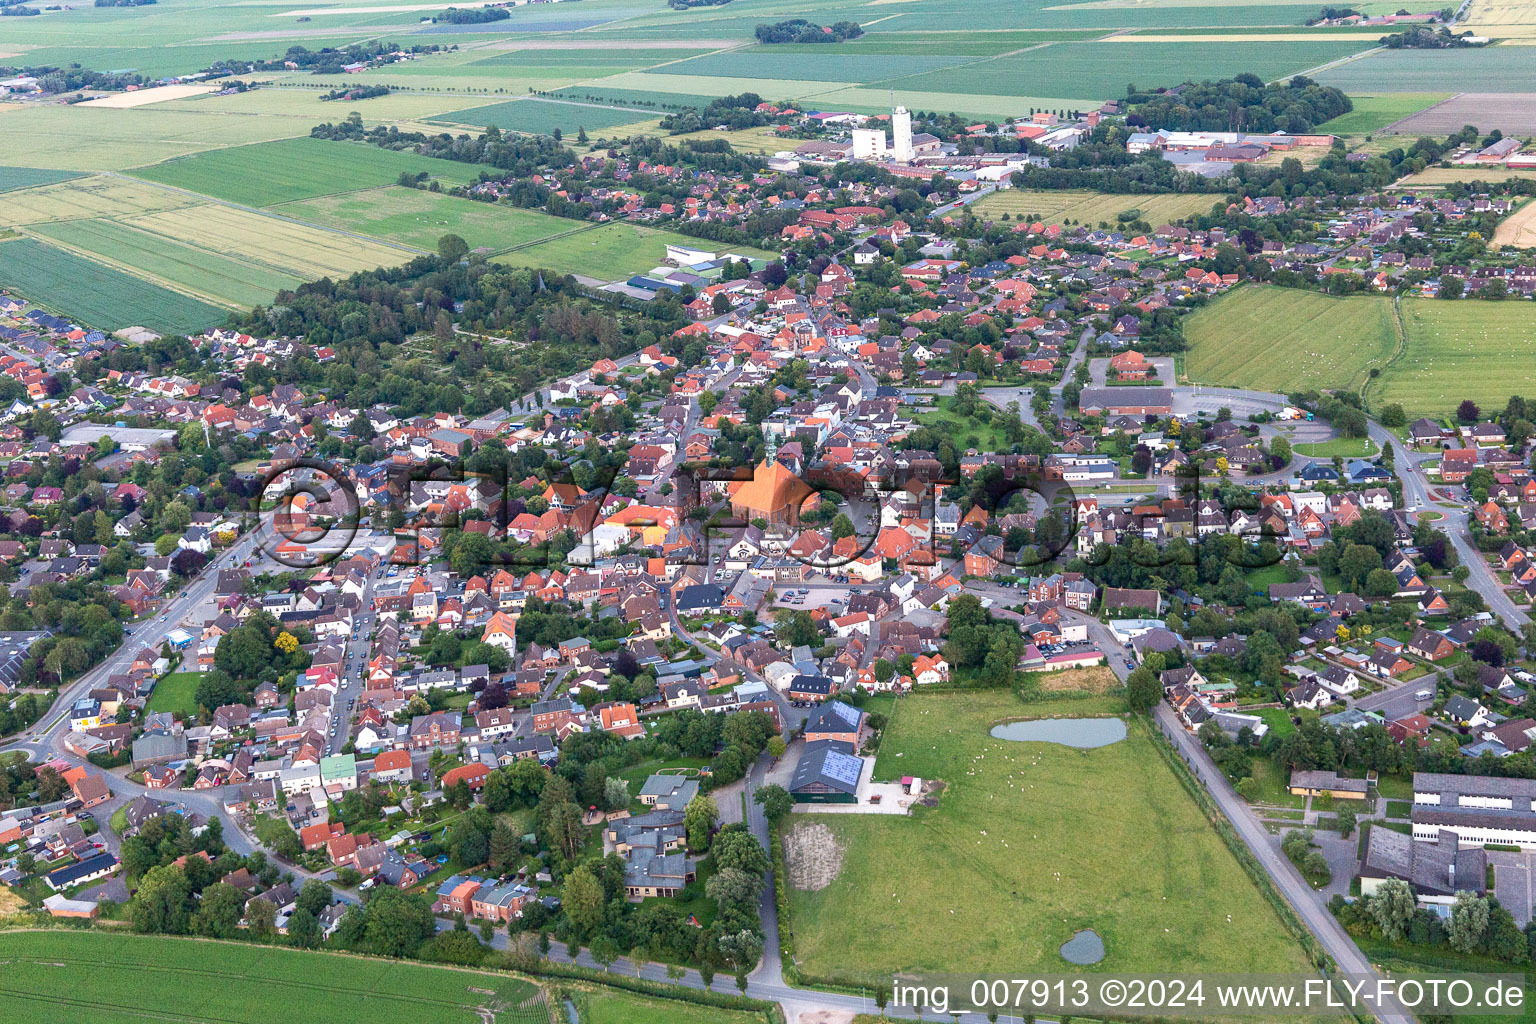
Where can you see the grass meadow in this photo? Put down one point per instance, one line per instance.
(1280, 339)
(1373, 113)
(611, 252)
(616, 1006)
(289, 169)
(1462, 349)
(99, 295)
(418, 217)
(1091, 207)
(134, 977)
(1030, 843)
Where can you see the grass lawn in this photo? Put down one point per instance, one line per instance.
(1022, 840)
(1343, 447)
(965, 431)
(1260, 579)
(1395, 787)
(1286, 339)
(239, 983)
(1278, 720)
(612, 252)
(616, 1006)
(1272, 781)
(175, 692)
(637, 775)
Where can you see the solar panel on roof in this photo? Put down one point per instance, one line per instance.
(844, 768)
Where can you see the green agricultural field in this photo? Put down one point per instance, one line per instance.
(649, 103)
(1020, 853)
(804, 63)
(541, 116)
(216, 278)
(101, 196)
(612, 252)
(1279, 339)
(1501, 68)
(98, 295)
(279, 172)
(139, 977)
(616, 1006)
(1102, 69)
(175, 692)
(1091, 207)
(85, 138)
(1456, 350)
(418, 217)
(1373, 113)
(623, 59)
(12, 178)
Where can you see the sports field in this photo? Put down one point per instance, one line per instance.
(289, 169)
(1281, 339)
(612, 252)
(418, 217)
(134, 978)
(99, 295)
(1030, 843)
(1091, 207)
(1462, 349)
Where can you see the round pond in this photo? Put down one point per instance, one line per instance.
(1084, 733)
(1083, 948)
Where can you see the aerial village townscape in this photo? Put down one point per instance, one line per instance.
(729, 511)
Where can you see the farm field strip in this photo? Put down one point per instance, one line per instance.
(102, 196)
(215, 278)
(97, 294)
(271, 241)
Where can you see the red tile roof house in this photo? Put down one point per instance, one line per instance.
(472, 774)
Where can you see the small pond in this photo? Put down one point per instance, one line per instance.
(1072, 732)
(1083, 948)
